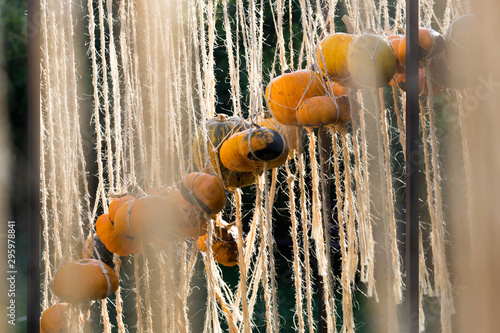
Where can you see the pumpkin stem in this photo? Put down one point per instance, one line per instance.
(348, 24)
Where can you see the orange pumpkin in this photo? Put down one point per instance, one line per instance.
(430, 44)
(224, 244)
(204, 190)
(141, 216)
(184, 219)
(252, 149)
(422, 83)
(289, 132)
(324, 110)
(54, 318)
(371, 61)
(114, 241)
(285, 93)
(336, 89)
(93, 248)
(331, 56)
(218, 129)
(84, 280)
(116, 203)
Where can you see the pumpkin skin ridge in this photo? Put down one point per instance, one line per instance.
(288, 132)
(116, 203)
(83, 281)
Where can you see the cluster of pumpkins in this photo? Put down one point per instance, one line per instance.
(314, 98)
(240, 150)
(160, 216)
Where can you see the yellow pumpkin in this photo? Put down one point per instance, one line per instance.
(55, 318)
(218, 129)
(204, 190)
(371, 61)
(285, 93)
(253, 148)
(324, 110)
(84, 280)
(331, 56)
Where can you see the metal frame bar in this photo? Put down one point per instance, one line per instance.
(412, 166)
(34, 218)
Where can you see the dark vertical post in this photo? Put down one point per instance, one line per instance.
(324, 144)
(34, 231)
(412, 164)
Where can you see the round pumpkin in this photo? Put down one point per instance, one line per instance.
(114, 241)
(460, 44)
(289, 132)
(205, 191)
(324, 110)
(422, 83)
(93, 248)
(224, 244)
(331, 56)
(285, 93)
(371, 61)
(184, 219)
(253, 148)
(116, 203)
(84, 280)
(54, 318)
(141, 216)
(219, 129)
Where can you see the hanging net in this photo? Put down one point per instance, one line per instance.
(297, 116)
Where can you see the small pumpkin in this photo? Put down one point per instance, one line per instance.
(184, 219)
(54, 318)
(84, 280)
(285, 93)
(219, 129)
(430, 44)
(371, 61)
(331, 56)
(116, 203)
(114, 241)
(93, 248)
(224, 244)
(289, 132)
(203, 190)
(253, 148)
(423, 86)
(140, 217)
(324, 110)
